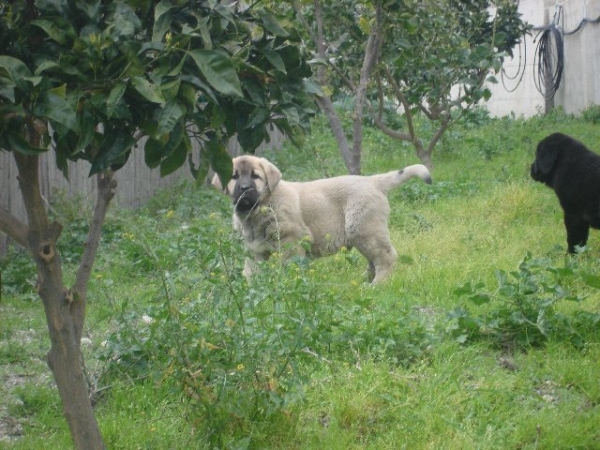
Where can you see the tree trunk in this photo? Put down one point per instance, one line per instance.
(325, 102)
(64, 311)
(335, 123)
(371, 53)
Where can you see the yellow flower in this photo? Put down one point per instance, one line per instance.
(240, 367)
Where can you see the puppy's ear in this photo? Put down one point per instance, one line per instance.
(546, 156)
(272, 173)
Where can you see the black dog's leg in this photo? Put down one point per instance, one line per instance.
(577, 231)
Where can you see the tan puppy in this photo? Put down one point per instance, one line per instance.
(314, 218)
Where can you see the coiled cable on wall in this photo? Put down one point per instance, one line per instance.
(549, 61)
(519, 73)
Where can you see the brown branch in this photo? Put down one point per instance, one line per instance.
(13, 227)
(402, 99)
(106, 191)
(378, 118)
(314, 37)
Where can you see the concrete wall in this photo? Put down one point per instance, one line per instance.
(516, 93)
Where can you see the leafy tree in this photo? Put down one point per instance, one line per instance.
(88, 78)
(427, 57)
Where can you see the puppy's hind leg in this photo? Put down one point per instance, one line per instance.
(381, 256)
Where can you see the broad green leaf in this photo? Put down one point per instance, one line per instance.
(162, 20)
(480, 299)
(115, 96)
(60, 91)
(148, 90)
(271, 24)
(90, 7)
(58, 29)
(113, 151)
(291, 113)
(275, 59)
(188, 95)
(56, 109)
(13, 68)
(19, 144)
(153, 153)
(218, 71)
(591, 280)
(169, 117)
(171, 141)
(87, 130)
(219, 159)
(258, 116)
(311, 87)
(170, 88)
(176, 158)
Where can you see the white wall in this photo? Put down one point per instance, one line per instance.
(580, 84)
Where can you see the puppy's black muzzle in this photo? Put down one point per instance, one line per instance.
(245, 196)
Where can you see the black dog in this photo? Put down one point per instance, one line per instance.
(573, 171)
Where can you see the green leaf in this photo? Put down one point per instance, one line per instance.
(148, 90)
(20, 145)
(480, 299)
(258, 117)
(271, 24)
(56, 109)
(591, 280)
(153, 153)
(87, 130)
(13, 68)
(199, 173)
(218, 71)
(58, 29)
(113, 151)
(115, 96)
(170, 116)
(177, 157)
(162, 20)
(219, 159)
(275, 59)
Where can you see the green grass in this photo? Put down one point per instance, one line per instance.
(309, 356)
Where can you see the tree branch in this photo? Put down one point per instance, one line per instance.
(412, 136)
(378, 117)
(371, 56)
(106, 191)
(13, 227)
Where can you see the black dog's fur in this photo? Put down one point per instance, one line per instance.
(573, 171)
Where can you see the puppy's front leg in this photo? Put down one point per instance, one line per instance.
(578, 230)
(250, 268)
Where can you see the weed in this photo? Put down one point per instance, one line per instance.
(526, 312)
(592, 114)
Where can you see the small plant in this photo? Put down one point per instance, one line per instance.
(523, 310)
(18, 274)
(592, 114)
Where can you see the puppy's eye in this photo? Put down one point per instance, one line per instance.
(235, 176)
(255, 176)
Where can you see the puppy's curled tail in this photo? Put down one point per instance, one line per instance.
(385, 182)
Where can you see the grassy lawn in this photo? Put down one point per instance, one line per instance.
(486, 336)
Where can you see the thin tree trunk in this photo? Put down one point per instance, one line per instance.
(64, 312)
(324, 101)
(371, 52)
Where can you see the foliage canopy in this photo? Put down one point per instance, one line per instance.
(104, 74)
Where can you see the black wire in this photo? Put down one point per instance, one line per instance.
(520, 68)
(549, 59)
